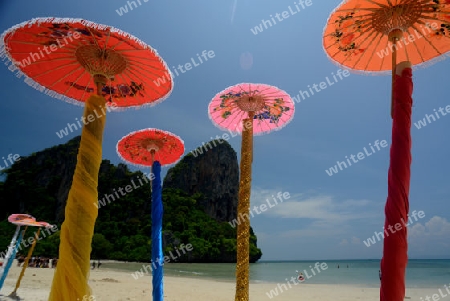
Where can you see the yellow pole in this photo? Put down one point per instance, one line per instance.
(70, 281)
(25, 264)
(243, 229)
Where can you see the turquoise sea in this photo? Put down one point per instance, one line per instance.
(420, 273)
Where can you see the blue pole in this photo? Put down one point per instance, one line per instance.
(9, 261)
(157, 214)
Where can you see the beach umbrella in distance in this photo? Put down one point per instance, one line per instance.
(70, 59)
(370, 36)
(18, 220)
(250, 109)
(153, 148)
(30, 252)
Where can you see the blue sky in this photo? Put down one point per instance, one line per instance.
(326, 217)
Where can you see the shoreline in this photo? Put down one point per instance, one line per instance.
(111, 285)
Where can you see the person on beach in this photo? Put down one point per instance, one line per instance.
(20, 260)
(54, 262)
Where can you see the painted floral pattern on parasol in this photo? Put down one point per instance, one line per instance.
(346, 31)
(357, 32)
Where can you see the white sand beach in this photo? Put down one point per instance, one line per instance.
(108, 285)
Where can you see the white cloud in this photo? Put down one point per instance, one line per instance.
(435, 227)
(308, 206)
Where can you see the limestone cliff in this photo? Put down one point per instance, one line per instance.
(212, 171)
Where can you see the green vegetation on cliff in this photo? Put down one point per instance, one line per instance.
(39, 184)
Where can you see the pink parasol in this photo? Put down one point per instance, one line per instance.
(23, 220)
(272, 107)
(249, 109)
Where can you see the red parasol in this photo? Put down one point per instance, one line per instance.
(143, 147)
(153, 147)
(249, 108)
(71, 59)
(64, 55)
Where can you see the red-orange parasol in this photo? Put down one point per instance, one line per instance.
(70, 59)
(143, 147)
(153, 147)
(249, 108)
(65, 56)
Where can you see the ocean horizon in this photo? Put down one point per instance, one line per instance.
(420, 273)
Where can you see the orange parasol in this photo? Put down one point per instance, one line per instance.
(363, 34)
(250, 109)
(70, 59)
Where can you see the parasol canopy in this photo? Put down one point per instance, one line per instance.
(26, 220)
(18, 219)
(137, 147)
(63, 55)
(273, 108)
(364, 34)
(359, 33)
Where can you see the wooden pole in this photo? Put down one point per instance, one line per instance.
(243, 229)
(394, 36)
(25, 264)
